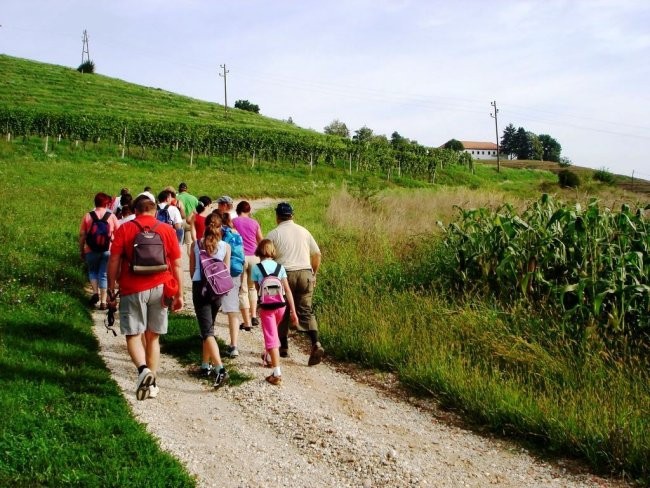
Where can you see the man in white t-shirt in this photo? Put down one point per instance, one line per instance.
(169, 213)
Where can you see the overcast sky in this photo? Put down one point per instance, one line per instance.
(576, 70)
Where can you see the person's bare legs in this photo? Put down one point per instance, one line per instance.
(152, 350)
(211, 351)
(135, 348)
(233, 327)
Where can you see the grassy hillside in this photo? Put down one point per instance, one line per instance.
(55, 88)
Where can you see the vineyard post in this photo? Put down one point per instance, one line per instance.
(191, 155)
(253, 163)
(311, 162)
(632, 180)
(47, 135)
(350, 162)
(123, 141)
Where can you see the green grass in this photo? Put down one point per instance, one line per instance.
(54, 88)
(386, 303)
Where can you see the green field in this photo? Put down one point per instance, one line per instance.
(384, 300)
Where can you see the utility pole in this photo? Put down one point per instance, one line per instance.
(85, 54)
(225, 88)
(496, 130)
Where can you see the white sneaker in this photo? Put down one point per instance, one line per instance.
(153, 391)
(145, 380)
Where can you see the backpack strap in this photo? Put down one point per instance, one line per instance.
(278, 268)
(107, 214)
(93, 216)
(262, 270)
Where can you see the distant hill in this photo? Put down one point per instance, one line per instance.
(58, 89)
(55, 88)
(622, 181)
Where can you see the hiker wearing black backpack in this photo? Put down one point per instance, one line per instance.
(298, 252)
(95, 235)
(146, 262)
(169, 214)
(275, 299)
(206, 300)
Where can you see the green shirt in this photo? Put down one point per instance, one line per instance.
(189, 202)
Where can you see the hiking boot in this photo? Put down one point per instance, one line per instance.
(316, 355)
(233, 352)
(274, 380)
(284, 352)
(102, 306)
(245, 327)
(255, 321)
(221, 378)
(153, 391)
(94, 300)
(145, 380)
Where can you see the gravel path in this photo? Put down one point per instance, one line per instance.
(321, 428)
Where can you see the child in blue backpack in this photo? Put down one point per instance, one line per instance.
(271, 317)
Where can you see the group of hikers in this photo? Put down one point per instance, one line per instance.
(133, 247)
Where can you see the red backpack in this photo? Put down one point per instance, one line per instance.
(98, 236)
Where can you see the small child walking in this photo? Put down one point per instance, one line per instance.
(272, 304)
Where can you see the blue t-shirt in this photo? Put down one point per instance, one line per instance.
(269, 267)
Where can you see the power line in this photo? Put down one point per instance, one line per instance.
(85, 53)
(496, 131)
(225, 88)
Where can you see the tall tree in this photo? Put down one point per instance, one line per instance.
(536, 149)
(454, 145)
(552, 150)
(337, 128)
(509, 141)
(522, 144)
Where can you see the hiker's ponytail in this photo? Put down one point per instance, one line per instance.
(212, 233)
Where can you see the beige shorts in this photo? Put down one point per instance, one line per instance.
(143, 311)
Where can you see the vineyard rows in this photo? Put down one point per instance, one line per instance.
(373, 154)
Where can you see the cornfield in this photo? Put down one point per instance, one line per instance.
(589, 265)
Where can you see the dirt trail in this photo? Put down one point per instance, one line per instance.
(321, 428)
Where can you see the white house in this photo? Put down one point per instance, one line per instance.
(480, 150)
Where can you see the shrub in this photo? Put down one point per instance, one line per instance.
(605, 176)
(248, 106)
(568, 179)
(565, 162)
(86, 67)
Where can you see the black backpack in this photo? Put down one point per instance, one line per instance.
(98, 236)
(149, 256)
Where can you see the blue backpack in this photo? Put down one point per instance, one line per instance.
(236, 250)
(162, 215)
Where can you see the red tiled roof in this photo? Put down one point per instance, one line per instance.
(479, 145)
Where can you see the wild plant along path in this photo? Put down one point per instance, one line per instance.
(321, 428)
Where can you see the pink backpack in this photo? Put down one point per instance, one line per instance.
(215, 276)
(271, 294)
